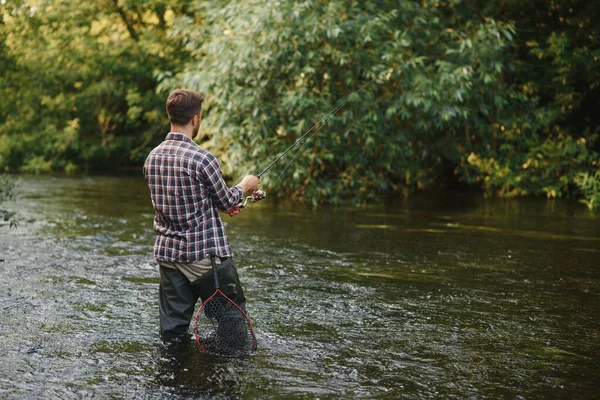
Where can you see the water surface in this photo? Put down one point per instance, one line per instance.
(445, 295)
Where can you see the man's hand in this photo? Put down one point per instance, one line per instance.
(235, 210)
(249, 183)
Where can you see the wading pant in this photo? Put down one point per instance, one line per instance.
(178, 297)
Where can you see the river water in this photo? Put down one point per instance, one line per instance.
(445, 295)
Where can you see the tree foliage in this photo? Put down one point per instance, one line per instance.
(499, 95)
(457, 95)
(78, 83)
(552, 142)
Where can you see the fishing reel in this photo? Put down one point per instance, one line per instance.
(254, 197)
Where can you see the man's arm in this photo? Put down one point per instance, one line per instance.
(224, 197)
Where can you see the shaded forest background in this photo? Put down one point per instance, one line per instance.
(501, 95)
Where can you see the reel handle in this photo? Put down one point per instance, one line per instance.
(256, 195)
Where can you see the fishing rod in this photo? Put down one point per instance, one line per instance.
(261, 194)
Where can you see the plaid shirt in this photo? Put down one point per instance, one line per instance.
(187, 188)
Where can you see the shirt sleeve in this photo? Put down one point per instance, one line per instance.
(222, 196)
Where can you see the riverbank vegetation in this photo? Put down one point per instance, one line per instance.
(7, 186)
(501, 97)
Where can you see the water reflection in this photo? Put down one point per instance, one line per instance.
(188, 373)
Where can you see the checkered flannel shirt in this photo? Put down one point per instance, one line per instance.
(187, 188)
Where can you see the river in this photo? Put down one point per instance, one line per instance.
(443, 295)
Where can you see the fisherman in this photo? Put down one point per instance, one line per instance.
(187, 190)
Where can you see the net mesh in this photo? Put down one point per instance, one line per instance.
(222, 327)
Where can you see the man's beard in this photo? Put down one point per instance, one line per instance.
(195, 132)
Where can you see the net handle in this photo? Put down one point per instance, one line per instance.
(214, 268)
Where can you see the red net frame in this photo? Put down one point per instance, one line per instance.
(222, 327)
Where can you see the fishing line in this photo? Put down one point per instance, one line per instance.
(286, 167)
(318, 125)
(260, 194)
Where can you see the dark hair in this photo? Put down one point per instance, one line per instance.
(182, 105)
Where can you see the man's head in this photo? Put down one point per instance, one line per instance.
(185, 107)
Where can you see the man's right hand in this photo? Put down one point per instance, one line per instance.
(249, 183)
(235, 210)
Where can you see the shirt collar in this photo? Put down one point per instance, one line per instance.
(179, 136)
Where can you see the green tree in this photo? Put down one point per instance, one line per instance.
(499, 95)
(79, 84)
(271, 70)
(455, 96)
(551, 142)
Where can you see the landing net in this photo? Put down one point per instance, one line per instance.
(222, 327)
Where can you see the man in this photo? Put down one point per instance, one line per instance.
(187, 191)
